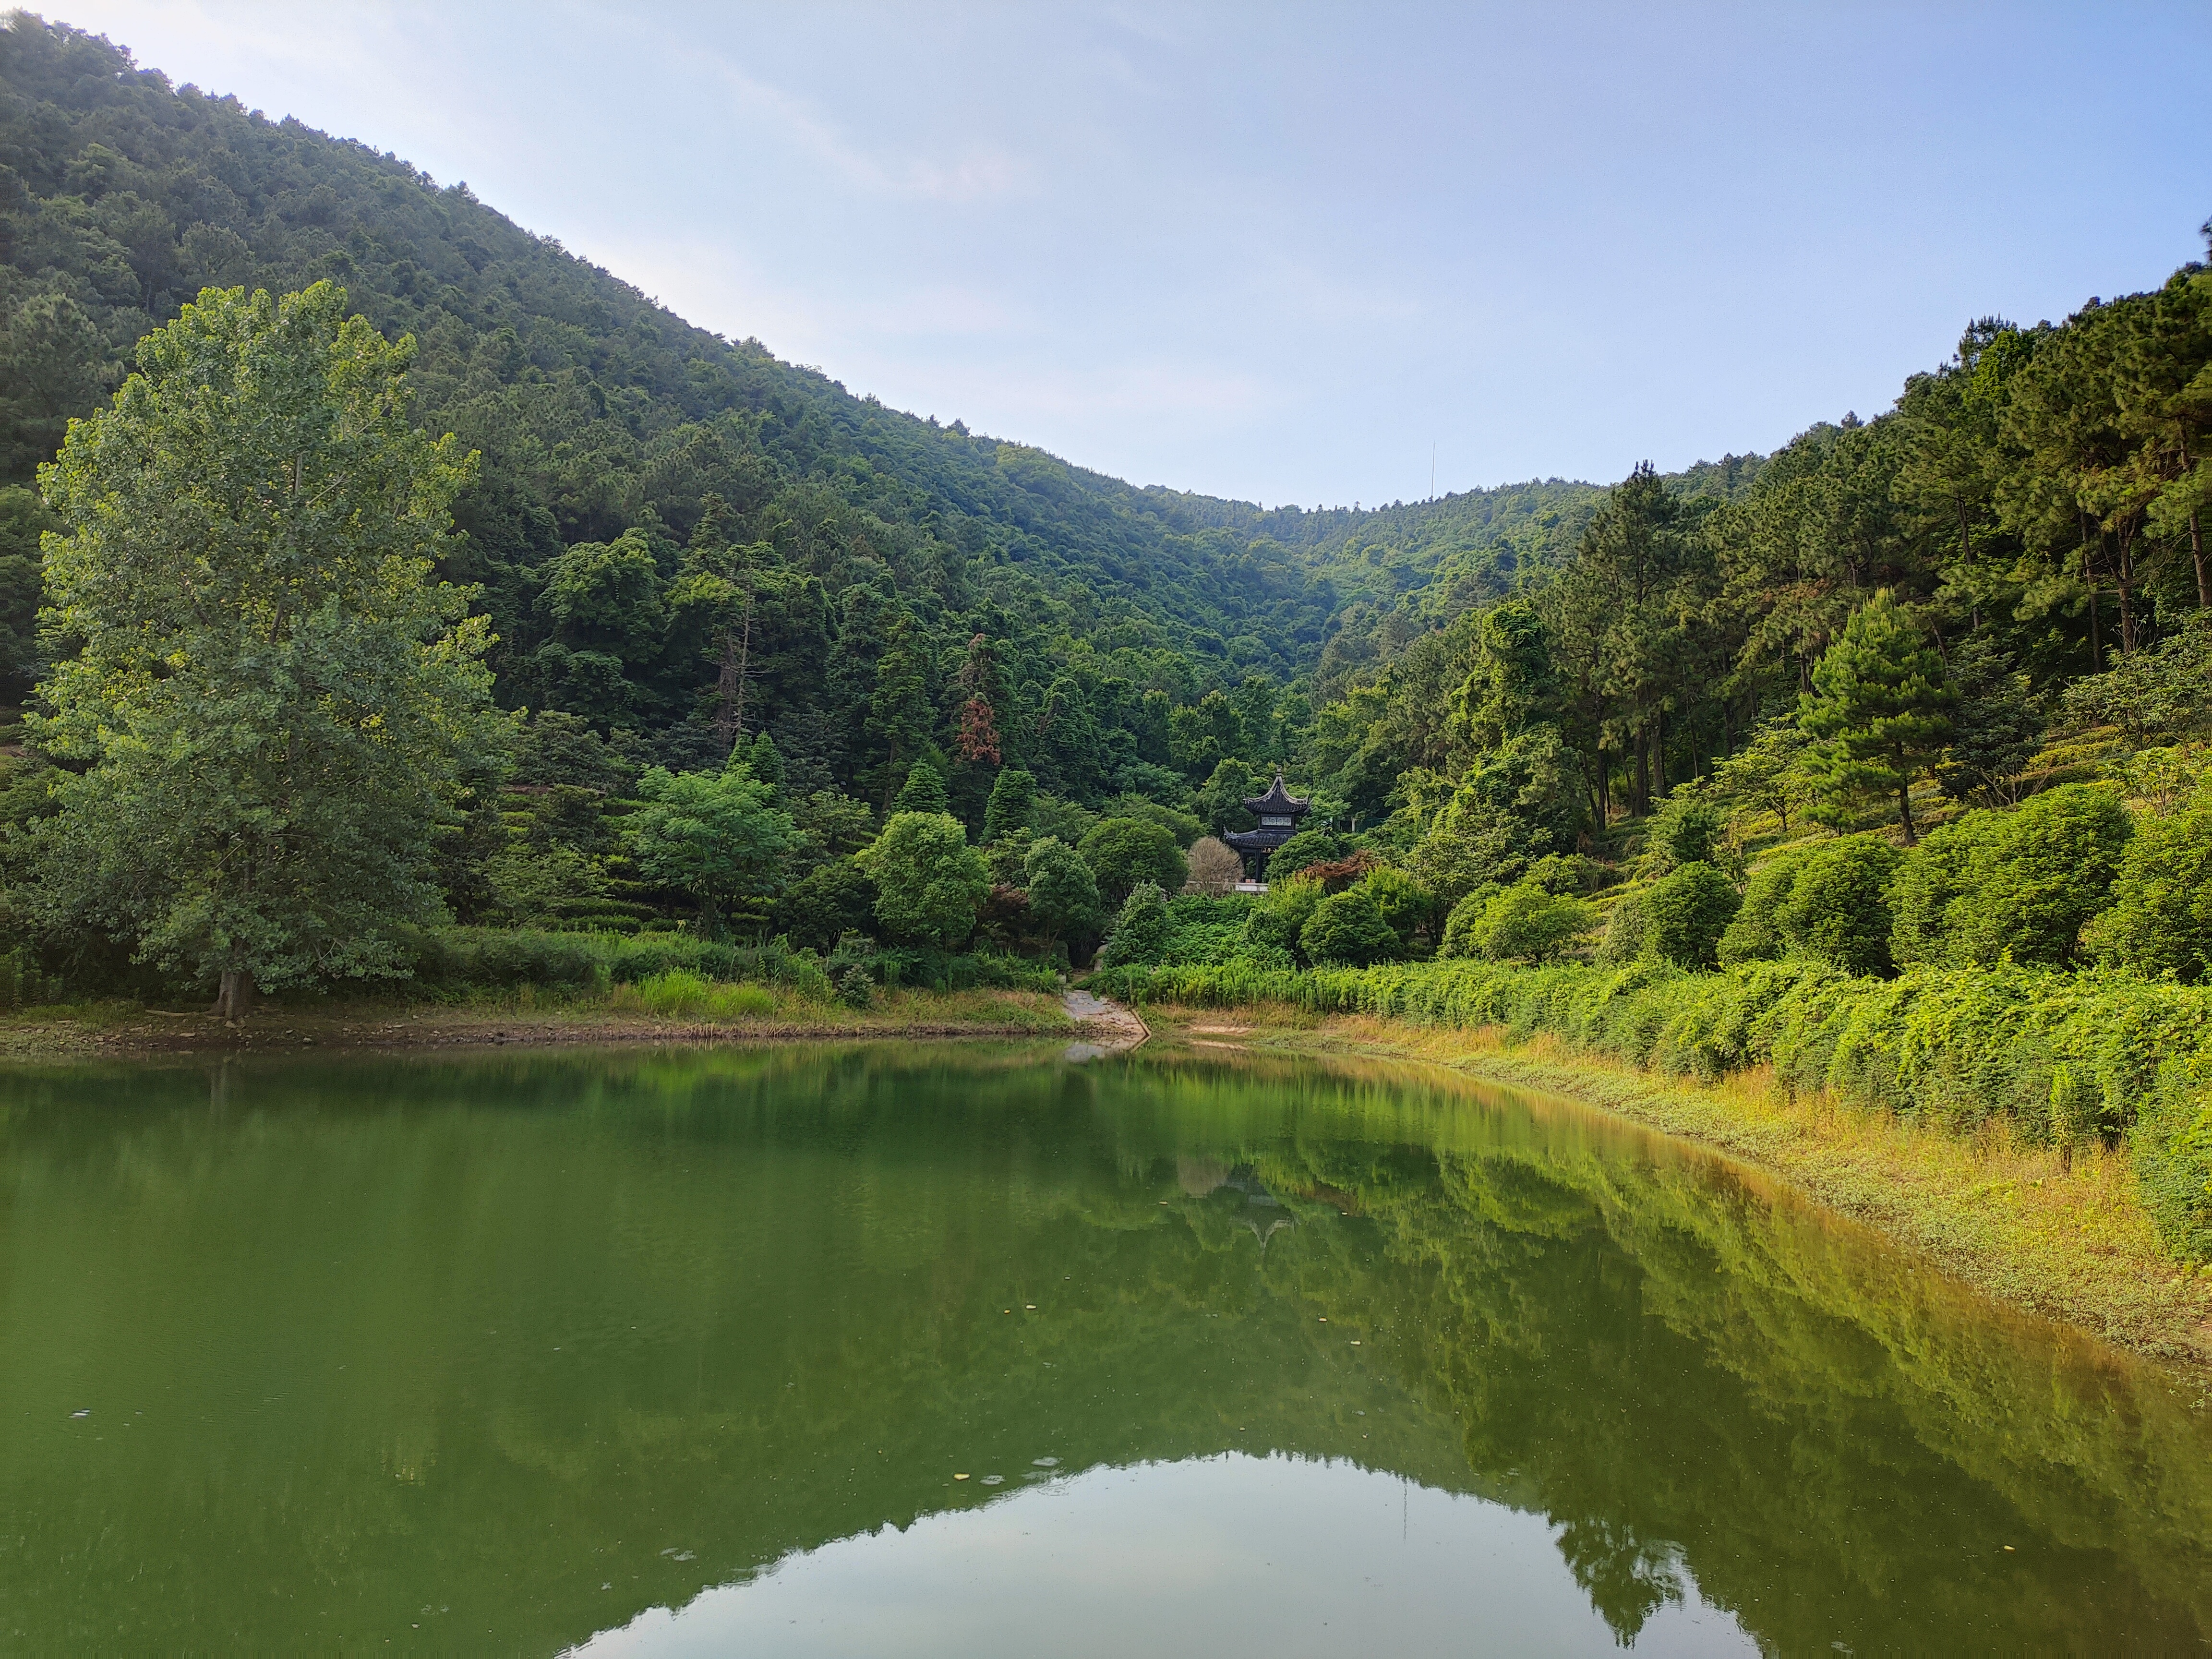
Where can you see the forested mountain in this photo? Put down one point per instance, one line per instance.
(684, 545)
(643, 478)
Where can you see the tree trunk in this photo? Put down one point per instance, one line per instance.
(2096, 635)
(234, 999)
(1905, 812)
(2123, 579)
(2197, 547)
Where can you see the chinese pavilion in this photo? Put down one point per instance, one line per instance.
(1278, 812)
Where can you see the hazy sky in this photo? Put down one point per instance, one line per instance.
(1281, 251)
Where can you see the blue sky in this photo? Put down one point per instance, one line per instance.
(1284, 251)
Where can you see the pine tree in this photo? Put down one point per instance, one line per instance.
(1013, 804)
(1880, 712)
(924, 789)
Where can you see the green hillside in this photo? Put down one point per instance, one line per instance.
(604, 422)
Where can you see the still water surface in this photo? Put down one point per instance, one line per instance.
(687, 1351)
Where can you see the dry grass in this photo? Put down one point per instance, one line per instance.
(2065, 1237)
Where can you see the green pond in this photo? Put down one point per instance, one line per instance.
(975, 1349)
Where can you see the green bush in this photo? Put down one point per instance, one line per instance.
(1837, 905)
(492, 958)
(1349, 927)
(1202, 929)
(1687, 829)
(1123, 853)
(1464, 927)
(827, 901)
(2020, 884)
(1686, 912)
(1520, 923)
(2160, 921)
(1140, 932)
(1755, 934)
(2171, 1143)
(1276, 925)
(1623, 940)
(1407, 905)
(1305, 848)
(681, 994)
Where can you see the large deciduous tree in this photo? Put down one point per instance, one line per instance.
(272, 699)
(928, 880)
(719, 836)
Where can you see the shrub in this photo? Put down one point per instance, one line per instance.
(1206, 930)
(2172, 1144)
(1215, 868)
(1686, 912)
(684, 995)
(1307, 846)
(825, 904)
(2160, 917)
(1348, 927)
(1464, 928)
(2022, 884)
(1525, 923)
(1407, 905)
(854, 988)
(488, 958)
(1125, 853)
(2062, 1056)
(1140, 932)
(1282, 916)
(1837, 905)
(1624, 930)
(1687, 829)
(1756, 933)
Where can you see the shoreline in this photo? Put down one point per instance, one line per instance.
(111, 1031)
(2016, 1224)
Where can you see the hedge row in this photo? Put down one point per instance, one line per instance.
(2061, 1056)
(468, 959)
(497, 958)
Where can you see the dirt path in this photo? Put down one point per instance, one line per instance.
(1107, 1027)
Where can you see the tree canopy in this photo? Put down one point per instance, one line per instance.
(271, 698)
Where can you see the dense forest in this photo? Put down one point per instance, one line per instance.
(624, 450)
(738, 672)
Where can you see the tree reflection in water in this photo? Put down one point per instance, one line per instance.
(519, 1327)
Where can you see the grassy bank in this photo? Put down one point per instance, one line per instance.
(698, 1011)
(2075, 1064)
(2063, 1235)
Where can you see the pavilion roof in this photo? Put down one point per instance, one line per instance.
(1277, 801)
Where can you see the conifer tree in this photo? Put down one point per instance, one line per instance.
(1879, 712)
(1012, 805)
(923, 791)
